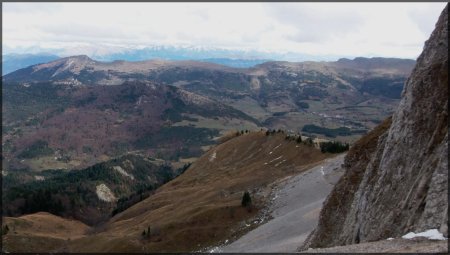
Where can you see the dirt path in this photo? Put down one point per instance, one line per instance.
(295, 208)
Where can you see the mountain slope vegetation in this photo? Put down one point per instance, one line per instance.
(90, 195)
(73, 127)
(202, 206)
(357, 93)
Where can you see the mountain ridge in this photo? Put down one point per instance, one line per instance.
(142, 65)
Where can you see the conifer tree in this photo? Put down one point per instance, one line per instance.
(246, 200)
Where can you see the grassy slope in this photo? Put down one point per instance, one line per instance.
(40, 232)
(202, 206)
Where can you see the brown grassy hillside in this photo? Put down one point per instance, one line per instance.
(40, 232)
(203, 205)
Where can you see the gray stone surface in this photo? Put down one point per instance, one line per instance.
(404, 183)
(295, 209)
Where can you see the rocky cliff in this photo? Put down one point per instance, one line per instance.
(396, 177)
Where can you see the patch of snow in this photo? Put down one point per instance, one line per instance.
(214, 250)
(432, 234)
(270, 152)
(275, 159)
(321, 170)
(277, 147)
(390, 238)
(212, 157)
(279, 163)
(123, 172)
(104, 193)
(39, 178)
(139, 101)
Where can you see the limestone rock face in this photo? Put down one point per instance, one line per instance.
(396, 178)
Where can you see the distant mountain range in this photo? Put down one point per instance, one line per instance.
(14, 59)
(13, 62)
(86, 110)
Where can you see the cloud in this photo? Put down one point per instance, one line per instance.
(31, 8)
(313, 22)
(338, 29)
(425, 17)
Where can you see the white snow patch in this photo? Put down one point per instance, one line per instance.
(275, 159)
(123, 172)
(214, 250)
(390, 238)
(279, 163)
(270, 152)
(277, 147)
(213, 156)
(104, 193)
(321, 170)
(39, 178)
(432, 234)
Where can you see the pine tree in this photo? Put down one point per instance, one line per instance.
(246, 200)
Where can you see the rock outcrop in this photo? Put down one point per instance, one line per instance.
(396, 178)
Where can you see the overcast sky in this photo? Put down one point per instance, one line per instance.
(341, 29)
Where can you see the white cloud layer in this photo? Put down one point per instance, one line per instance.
(338, 29)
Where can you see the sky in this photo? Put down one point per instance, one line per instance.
(323, 29)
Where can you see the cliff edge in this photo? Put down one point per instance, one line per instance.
(396, 178)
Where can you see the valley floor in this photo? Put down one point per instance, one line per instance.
(295, 207)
